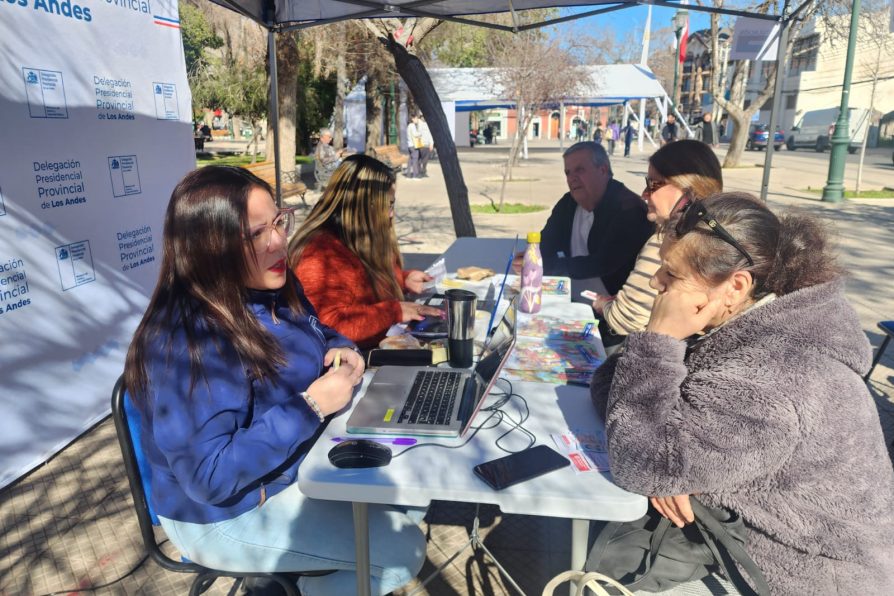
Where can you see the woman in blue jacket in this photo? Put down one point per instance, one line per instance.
(233, 374)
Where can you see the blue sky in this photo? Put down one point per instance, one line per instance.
(628, 19)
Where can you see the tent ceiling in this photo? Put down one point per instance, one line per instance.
(289, 14)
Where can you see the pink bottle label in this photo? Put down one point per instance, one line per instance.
(532, 280)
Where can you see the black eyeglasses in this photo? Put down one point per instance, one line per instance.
(695, 212)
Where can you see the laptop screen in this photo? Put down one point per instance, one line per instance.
(499, 343)
(490, 363)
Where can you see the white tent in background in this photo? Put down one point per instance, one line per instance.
(473, 89)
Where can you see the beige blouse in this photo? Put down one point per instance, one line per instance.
(632, 306)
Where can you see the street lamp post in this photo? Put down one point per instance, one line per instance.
(680, 18)
(834, 190)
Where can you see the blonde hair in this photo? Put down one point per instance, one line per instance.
(690, 166)
(355, 207)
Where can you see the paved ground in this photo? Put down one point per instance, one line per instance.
(69, 523)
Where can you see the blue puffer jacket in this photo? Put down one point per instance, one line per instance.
(212, 452)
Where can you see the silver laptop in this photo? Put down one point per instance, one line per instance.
(427, 401)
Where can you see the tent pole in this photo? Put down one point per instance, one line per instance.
(562, 126)
(642, 122)
(784, 26)
(274, 112)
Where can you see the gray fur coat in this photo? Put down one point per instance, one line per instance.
(769, 417)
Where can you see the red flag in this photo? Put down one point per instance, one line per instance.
(684, 37)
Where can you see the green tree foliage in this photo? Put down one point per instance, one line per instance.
(316, 96)
(197, 36)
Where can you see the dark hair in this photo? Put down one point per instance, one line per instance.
(790, 252)
(597, 152)
(689, 165)
(355, 208)
(201, 282)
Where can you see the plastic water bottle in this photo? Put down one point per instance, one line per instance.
(532, 276)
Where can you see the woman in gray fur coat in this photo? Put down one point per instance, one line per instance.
(746, 390)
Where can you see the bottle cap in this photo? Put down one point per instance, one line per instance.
(533, 237)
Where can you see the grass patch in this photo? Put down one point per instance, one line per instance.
(507, 208)
(885, 193)
(242, 160)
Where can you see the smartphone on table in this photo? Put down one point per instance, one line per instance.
(521, 466)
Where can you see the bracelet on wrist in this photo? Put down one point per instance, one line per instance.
(313, 405)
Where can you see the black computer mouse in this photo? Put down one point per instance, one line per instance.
(359, 453)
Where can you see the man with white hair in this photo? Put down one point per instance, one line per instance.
(597, 229)
(326, 157)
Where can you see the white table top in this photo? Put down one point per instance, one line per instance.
(428, 473)
(493, 253)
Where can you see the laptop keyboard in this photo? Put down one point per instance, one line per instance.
(431, 397)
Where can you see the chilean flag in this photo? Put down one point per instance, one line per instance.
(684, 37)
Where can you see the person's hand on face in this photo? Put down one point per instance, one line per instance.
(415, 280)
(685, 304)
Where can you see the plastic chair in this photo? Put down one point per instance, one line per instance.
(127, 427)
(888, 328)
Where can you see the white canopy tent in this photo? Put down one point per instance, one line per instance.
(473, 89)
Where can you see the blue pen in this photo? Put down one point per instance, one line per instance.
(402, 441)
(587, 329)
(493, 313)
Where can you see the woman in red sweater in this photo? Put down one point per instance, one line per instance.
(346, 255)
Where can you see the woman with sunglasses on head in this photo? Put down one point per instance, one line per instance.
(678, 173)
(746, 390)
(346, 255)
(233, 375)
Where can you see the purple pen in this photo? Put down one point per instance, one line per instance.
(401, 441)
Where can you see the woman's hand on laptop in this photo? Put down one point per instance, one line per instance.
(412, 311)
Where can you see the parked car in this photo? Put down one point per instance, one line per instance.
(815, 129)
(759, 134)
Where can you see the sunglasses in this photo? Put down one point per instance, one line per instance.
(695, 212)
(653, 185)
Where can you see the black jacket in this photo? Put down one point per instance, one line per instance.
(620, 229)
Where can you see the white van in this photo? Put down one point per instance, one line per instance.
(815, 129)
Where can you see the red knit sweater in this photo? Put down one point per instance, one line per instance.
(337, 285)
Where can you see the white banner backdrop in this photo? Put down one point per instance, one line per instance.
(95, 114)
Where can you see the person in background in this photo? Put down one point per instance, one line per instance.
(670, 132)
(599, 134)
(678, 174)
(415, 143)
(488, 134)
(629, 133)
(597, 228)
(345, 255)
(428, 146)
(326, 157)
(233, 375)
(611, 137)
(746, 390)
(705, 131)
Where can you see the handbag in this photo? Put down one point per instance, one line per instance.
(653, 555)
(584, 580)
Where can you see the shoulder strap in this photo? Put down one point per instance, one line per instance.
(737, 553)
